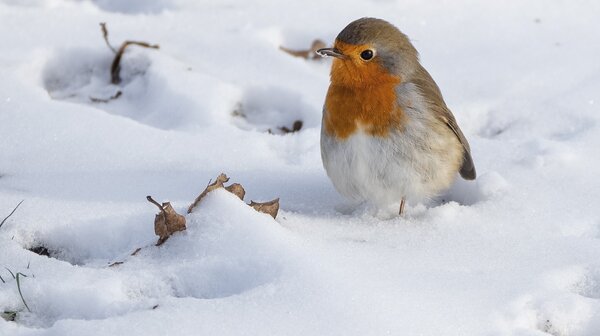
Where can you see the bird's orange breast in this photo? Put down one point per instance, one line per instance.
(362, 95)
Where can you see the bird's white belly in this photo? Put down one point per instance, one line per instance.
(383, 170)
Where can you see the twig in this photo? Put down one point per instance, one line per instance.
(10, 214)
(105, 35)
(19, 288)
(115, 67)
(151, 200)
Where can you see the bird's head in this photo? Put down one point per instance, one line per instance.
(370, 52)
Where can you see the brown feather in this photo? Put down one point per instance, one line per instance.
(433, 98)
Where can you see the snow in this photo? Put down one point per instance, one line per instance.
(516, 252)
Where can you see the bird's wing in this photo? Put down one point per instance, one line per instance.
(430, 90)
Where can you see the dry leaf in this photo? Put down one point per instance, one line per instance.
(221, 179)
(307, 54)
(237, 190)
(167, 221)
(295, 127)
(270, 208)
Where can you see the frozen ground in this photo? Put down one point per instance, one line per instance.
(515, 253)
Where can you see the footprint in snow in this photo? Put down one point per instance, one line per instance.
(274, 110)
(144, 94)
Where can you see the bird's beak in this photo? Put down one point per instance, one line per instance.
(324, 52)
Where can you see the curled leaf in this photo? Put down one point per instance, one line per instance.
(271, 208)
(297, 126)
(167, 221)
(221, 179)
(237, 190)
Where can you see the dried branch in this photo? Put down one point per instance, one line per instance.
(151, 200)
(10, 214)
(105, 35)
(115, 68)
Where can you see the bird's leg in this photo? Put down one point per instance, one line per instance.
(401, 211)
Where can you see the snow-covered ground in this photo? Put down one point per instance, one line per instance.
(517, 252)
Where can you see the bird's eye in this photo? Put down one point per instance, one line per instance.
(366, 54)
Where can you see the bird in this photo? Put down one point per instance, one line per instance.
(387, 135)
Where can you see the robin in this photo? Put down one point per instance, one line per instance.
(387, 134)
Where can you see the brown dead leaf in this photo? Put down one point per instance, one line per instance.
(270, 208)
(307, 54)
(237, 190)
(221, 179)
(297, 126)
(167, 221)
